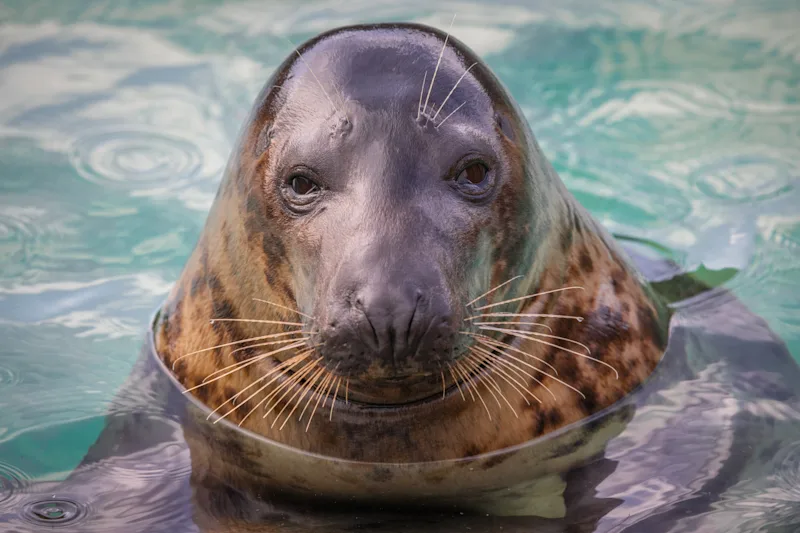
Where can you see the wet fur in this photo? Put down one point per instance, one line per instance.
(243, 253)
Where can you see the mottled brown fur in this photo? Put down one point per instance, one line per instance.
(246, 250)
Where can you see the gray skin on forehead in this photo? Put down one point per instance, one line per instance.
(383, 69)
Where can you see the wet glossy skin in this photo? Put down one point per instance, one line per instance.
(392, 204)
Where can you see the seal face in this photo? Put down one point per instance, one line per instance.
(389, 247)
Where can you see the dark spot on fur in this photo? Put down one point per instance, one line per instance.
(540, 425)
(617, 280)
(203, 394)
(472, 451)
(590, 402)
(273, 247)
(197, 284)
(180, 370)
(605, 325)
(572, 447)
(213, 282)
(230, 392)
(587, 265)
(495, 460)
(568, 369)
(554, 418)
(566, 239)
(576, 222)
(221, 308)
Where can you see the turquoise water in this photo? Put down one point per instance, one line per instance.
(677, 122)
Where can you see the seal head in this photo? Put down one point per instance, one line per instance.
(390, 245)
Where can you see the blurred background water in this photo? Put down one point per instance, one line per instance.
(676, 121)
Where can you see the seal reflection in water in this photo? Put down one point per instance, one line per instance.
(392, 273)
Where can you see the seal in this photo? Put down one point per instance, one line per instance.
(390, 247)
(395, 304)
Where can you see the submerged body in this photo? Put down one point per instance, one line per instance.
(433, 321)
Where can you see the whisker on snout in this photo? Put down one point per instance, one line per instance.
(284, 307)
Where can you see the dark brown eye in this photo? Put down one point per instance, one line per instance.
(302, 185)
(475, 174)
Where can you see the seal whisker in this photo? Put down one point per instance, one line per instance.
(492, 364)
(268, 396)
(588, 351)
(271, 343)
(247, 362)
(251, 339)
(296, 51)
(451, 92)
(475, 386)
(286, 365)
(505, 345)
(523, 315)
(525, 336)
(500, 323)
(498, 360)
(438, 63)
(310, 398)
(492, 381)
(302, 392)
(312, 381)
(475, 368)
(421, 92)
(464, 380)
(450, 115)
(455, 380)
(335, 393)
(243, 364)
(278, 322)
(493, 289)
(444, 388)
(319, 398)
(520, 298)
(525, 363)
(286, 386)
(347, 391)
(284, 307)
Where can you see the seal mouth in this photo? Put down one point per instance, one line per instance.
(389, 393)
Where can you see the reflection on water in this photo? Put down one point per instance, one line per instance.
(676, 122)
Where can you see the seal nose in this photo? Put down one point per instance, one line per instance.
(391, 330)
(388, 324)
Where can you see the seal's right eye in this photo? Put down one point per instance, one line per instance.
(300, 191)
(302, 185)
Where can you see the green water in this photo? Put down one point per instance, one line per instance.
(677, 122)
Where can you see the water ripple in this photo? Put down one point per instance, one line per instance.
(745, 178)
(665, 116)
(12, 480)
(8, 376)
(136, 158)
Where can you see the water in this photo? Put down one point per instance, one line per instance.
(677, 122)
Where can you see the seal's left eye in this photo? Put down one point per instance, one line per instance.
(302, 185)
(474, 174)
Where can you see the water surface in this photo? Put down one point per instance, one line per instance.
(674, 121)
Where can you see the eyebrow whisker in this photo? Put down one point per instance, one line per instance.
(450, 115)
(438, 63)
(452, 90)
